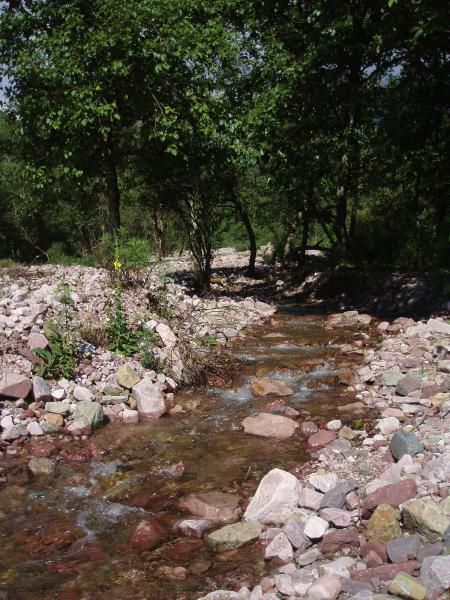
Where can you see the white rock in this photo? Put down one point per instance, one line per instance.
(149, 399)
(388, 425)
(322, 481)
(275, 499)
(34, 428)
(339, 567)
(334, 425)
(327, 587)
(81, 394)
(280, 547)
(315, 527)
(59, 394)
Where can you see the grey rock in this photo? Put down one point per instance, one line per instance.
(12, 433)
(403, 442)
(294, 530)
(82, 394)
(390, 378)
(114, 399)
(408, 384)
(403, 549)
(89, 412)
(438, 469)
(335, 498)
(444, 366)
(446, 536)
(41, 390)
(435, 573)
(58, 408)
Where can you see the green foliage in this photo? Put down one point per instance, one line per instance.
(59, 358)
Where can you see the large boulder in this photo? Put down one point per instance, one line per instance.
(275, 499)
(263, 386)
(13, 385)
(269, 425)
(233, 536)
(149, 398)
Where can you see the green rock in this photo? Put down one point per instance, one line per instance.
(40, 465)
(89, 412)
(114, 399)
(426, 517)
(407, 587)
(112, 390)
(49, 427)
(346, 433)
(383, 525)
(390, 378)
(127, 377)
(233, 536)
(58, 408)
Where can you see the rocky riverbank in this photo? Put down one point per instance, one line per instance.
(368, 518)
(106, 387)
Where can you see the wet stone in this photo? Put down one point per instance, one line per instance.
(233, 536)
(216, 506)
(269, 425)
(39, 465)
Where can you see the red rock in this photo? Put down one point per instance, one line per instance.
(13, 385)
(336, 540)
(393, 494)
(385, 572)
(269, 425)
(180, 550)
(212, 505)
(377, 547)
(372, 559)
(147, 534)
(321, 438)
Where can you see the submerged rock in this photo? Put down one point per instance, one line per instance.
(263, 386)
(216, 506)
(269, 425)
(233, 536)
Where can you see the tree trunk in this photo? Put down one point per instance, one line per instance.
(304, 242)
(251, 236)
(159, 232)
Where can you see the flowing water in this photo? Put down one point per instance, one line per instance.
(66, 537)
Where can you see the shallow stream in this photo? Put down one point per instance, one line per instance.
(66, 537)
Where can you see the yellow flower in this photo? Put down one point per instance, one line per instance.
(117, 264)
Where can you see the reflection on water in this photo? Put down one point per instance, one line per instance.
(67, 538)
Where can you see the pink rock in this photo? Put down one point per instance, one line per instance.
(392, 412)
(37, 340)
(393, 494)
(149, 399)
(327, 587)
(310, 498)
(386, 572)
(78, 428)
(372, 559)
(352, 500)
(269, 425)
(381, 327)
(195, 527)
(147, 534)
(321, 438)
(280, 548)
(376, 547)
(263, 386)
(336, 516)
(216, 506)
(130, 416)
(13, 385)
